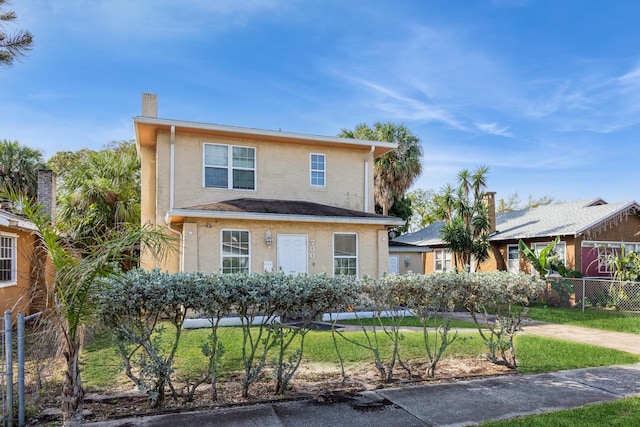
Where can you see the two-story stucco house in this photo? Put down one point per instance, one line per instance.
(239, 199)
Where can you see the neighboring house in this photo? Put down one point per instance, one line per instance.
(588, 231)
(24, 263)
(240, 199)
(17, 243)
(405, 258)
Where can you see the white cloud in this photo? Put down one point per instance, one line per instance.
(494, 129)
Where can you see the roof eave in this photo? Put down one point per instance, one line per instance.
(177, 215)
(261, 134)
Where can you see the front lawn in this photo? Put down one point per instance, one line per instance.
(611, 320)
(101, 365)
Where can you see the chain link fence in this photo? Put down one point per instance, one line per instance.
(618, 295)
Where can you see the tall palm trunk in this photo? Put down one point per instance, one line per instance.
(72, 393)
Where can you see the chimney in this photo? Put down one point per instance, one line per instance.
(47, 193)
(489, 199)
(150, 105)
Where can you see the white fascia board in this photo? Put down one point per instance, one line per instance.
(253, 216)
(259, 132)
(420, 249)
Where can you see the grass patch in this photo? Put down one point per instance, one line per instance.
(609, 320)
(625, 412)
(101, 364)
(542, 354)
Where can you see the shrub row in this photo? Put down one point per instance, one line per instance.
(135, 305)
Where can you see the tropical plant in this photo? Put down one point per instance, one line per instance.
(12, 46)
(99, 190)
(19, 167)
(395, 171)
(467, 224)
(625, 266)
(547, 264)
(79, 266)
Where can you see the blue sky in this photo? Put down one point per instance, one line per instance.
(544, 92)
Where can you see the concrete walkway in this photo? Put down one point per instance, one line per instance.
(461, 403)
(616, 340)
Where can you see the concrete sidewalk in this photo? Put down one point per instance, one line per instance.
(461, 403)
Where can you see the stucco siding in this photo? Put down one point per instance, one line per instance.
(202, 247)
(282, 171)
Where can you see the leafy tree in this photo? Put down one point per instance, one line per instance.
(99, 190)
(512, 203)
(466, 218)
(12, 46)
(400, 209)
(79, 267)
(395, 171)
(424, 208)
(19, 166)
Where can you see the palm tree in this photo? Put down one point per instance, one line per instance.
(466, 218)
(12, 46)
(79, 267)
(397, 170)
(99, 190)
(19, 166)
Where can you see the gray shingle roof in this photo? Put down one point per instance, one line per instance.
(574, 218)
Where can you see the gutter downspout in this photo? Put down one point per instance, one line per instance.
(172, 141)
(366, 178)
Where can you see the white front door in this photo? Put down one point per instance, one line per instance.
(292, 253)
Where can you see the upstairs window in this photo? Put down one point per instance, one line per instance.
(7, 260)
(229, 167)
(318, 170)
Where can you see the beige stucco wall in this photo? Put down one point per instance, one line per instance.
(282, 171)
(202, 246)
(416, 262)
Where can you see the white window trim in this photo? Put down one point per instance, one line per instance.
(222, 256)
(333, 252)
(14, 260)
(230, 168)
(324, 171)
(446, 254)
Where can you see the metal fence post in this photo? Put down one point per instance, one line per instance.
(8, 347)
(21, 415)
(583, 293)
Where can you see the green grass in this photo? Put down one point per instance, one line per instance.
(407, 321)
(625, 412)
(610, 320)
(100, 363)
(542, 354)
